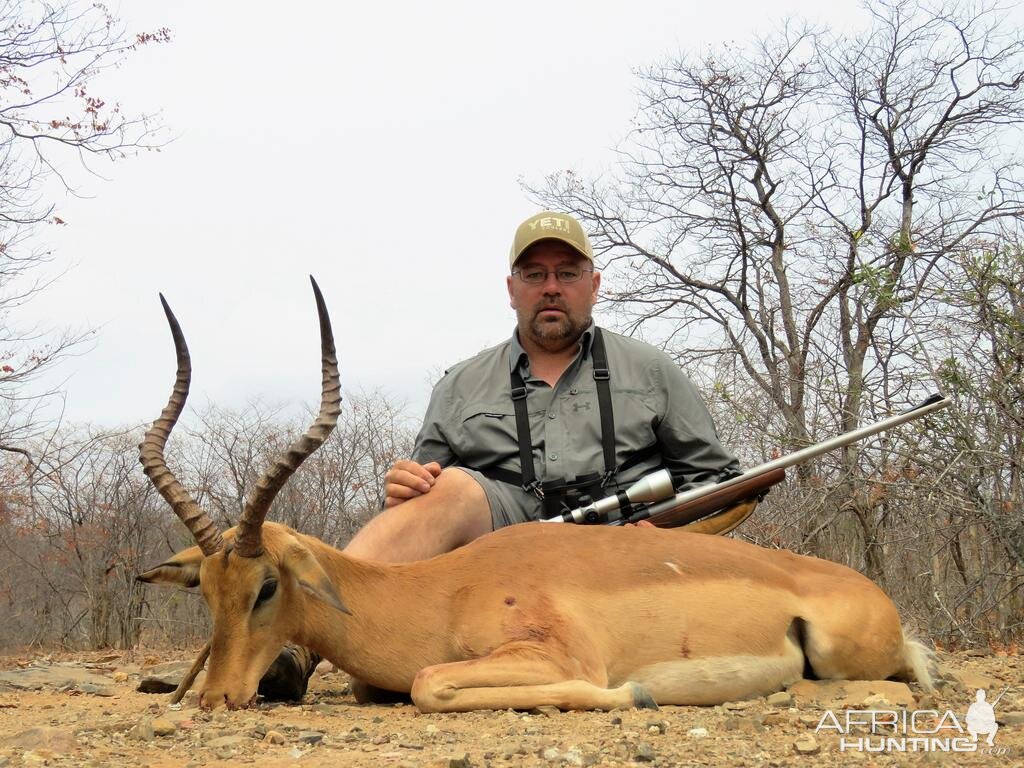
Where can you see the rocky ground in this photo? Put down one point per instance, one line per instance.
(85, 710)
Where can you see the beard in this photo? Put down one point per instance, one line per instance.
(553, 333)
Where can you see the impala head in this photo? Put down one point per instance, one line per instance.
(257, 578)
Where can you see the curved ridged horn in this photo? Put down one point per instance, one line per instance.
(151, 451)
(248, 541)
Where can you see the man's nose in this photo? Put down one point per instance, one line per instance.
(551, 284)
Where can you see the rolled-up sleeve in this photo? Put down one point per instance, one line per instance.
(432, 444)
(686, 434)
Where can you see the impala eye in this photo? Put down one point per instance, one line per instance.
(266, 591)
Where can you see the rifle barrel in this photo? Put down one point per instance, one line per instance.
(933, 403)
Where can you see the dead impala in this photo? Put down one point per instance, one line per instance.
(576, 617)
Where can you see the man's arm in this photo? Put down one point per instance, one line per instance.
(686, 433)
(409, 478)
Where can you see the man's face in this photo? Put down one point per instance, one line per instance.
(552, 314)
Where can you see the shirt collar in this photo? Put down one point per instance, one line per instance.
(517, 357)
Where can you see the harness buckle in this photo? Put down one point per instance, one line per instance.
(535, 488)
(601, 374)
(518, 393)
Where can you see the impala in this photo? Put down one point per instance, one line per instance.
(577, 617)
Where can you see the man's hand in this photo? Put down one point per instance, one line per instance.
(407, 480)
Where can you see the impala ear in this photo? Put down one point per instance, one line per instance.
(312, 577)
(182, 569)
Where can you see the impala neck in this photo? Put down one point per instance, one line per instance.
(392, 628)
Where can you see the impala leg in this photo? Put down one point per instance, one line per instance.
(519, 676)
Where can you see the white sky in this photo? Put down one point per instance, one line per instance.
(375, 145)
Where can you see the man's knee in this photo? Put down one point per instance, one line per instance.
(463, 502)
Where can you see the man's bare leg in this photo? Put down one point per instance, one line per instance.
(454, 512)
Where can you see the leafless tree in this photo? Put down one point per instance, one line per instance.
(50, 55)
(792, 208)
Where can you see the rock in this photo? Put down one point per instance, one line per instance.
(806, 745)
(312, 737)
(644, 753)
(657, 726)
(39, 757)
(569, 757)
(142, 730)
(848, 694)
(772, 718)
(53, 677)
(163, 727)
(734, 723)
(57, 740)
(459, 762)
(164, 678)
(226, 742)
(1010, 718)
(545, 710)
(780, 699)
(737, 706)
(120, 677)
(874, 701)
(95, 690)
(697, 733)
(966, 680)
(274, 737)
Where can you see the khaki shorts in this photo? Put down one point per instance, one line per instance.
(509, 504)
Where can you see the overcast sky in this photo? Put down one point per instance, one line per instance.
(378, 146)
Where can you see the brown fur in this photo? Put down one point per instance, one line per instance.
(532, 615)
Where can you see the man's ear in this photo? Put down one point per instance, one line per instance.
(312, 577)
(181, 569)
(511, 296)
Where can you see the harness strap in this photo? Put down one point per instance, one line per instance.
(602, 378)
(529, 476)
(604, 403)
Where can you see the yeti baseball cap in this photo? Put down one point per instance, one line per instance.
(550, 225)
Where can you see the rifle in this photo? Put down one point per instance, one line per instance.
(651, 498)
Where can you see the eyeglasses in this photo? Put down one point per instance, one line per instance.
(538, 275)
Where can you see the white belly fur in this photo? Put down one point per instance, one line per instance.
(716, 679)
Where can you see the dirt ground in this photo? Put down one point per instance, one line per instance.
(105, 721)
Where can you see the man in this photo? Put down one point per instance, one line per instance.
(559, 412)
(478, 465)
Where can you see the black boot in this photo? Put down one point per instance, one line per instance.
(288, 676)
(364, 693)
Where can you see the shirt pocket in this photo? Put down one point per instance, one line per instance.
(635, 420)
(487, 435)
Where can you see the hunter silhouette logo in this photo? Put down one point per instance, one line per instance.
(981, 717)
(922, 730)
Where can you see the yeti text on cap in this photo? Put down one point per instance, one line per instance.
(549, 222)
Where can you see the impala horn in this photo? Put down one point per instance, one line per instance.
(248, 539)
(151, 451)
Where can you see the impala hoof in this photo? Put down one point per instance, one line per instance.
(641, 698)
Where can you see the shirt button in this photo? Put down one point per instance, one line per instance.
(551, 415)
(573, 391)
(553, 456)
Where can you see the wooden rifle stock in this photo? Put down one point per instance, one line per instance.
(686, 512)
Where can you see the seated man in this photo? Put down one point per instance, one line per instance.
(560, 412)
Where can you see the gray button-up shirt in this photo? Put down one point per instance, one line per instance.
(470, 420)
